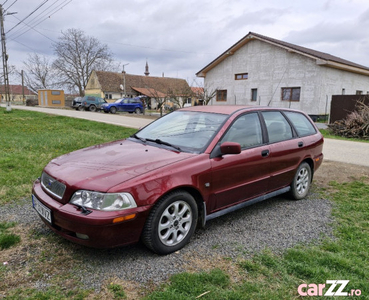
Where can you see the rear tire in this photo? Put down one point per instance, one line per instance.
(92, 108)
(137, 110)
(301, 182)
(171, 223)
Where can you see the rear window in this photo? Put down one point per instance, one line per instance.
(301, 123)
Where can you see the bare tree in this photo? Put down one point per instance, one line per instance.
(179, 97)
(205, 93)
(77, 55)
(39, 72)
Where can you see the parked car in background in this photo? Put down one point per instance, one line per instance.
(131, 105)
(92, 103)
(77, 103)
(180, 171)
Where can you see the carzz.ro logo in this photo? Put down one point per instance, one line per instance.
(335, 289)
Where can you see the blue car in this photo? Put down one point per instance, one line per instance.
(131, 105)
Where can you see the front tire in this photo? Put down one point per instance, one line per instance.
(92, 108)
(113, 110)
(171, 223)
(301, 182)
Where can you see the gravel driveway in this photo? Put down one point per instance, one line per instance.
(276, 224)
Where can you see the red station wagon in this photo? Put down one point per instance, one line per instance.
(178, 172)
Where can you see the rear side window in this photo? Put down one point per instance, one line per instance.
(301, 123)
(278, 127)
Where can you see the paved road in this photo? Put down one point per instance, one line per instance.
(334, 150)
(133, 121)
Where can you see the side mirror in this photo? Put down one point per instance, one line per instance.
(230, 148)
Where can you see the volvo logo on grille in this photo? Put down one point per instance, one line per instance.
(51, 181)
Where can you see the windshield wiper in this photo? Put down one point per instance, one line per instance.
(160, 142)
(138, 138)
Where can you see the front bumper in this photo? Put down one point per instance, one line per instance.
(99, 229)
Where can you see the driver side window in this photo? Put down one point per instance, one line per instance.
(246, 131)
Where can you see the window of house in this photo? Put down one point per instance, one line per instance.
(291, 94)
(241, 76)
(359, 92)
(221, 95)
(108, 96)
(343, 91)
(55, 92)
(254, 94)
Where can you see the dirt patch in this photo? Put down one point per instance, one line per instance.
(339, 172)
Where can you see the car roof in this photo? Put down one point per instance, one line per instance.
(220, 109)
(231, 109)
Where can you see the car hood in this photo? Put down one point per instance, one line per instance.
(102, 167)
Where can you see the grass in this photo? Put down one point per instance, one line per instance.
(7, 239)
(29, 140)
(327, 134)
(271, 276)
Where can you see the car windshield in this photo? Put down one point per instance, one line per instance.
(187, 130)
(118, 101)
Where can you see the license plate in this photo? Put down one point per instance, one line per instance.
(41, 209)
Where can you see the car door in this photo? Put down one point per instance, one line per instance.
(125, 106)
(243, 176)
(285, 149)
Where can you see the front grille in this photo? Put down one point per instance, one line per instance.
(52, 185)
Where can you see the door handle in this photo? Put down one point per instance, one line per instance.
(265, 153)
(300, 144)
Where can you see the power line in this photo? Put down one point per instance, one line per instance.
(49, 14)
(35, 19)
(20, 22)
(9, 5)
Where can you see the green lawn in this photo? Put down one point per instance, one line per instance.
(29, 140)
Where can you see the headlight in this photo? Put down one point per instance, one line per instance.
(102, 201)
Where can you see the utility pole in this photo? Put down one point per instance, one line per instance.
(5, 61)
(24, 98)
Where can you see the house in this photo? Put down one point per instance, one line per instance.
(113, 86)
(16, 93)
(259, 70)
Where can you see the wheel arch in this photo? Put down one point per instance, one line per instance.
(195, 193)
(310, 162)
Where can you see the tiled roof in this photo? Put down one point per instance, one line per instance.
(330, 60)
(150, 92)
(17, 90)
(110, 82)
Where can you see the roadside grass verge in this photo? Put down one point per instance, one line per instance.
(329, 135)
(29, 140)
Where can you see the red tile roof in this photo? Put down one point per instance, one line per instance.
(17, 90)
(111, 81)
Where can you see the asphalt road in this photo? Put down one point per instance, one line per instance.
(334, 150)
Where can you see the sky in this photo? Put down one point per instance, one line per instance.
(179, 38)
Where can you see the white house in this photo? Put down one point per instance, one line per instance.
(264, 71)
